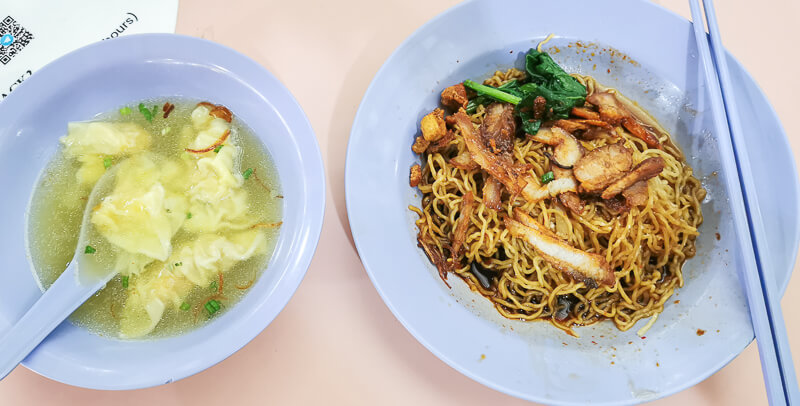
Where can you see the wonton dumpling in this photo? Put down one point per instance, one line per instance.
(139, 216)
(148, 296)
(200, 262)
(137, 223)
(216, 198)
(102, 138)
(92, 142)
(210, 254)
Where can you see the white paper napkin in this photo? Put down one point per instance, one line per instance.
(34, 32)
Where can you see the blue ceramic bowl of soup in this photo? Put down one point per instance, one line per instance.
(100, 78)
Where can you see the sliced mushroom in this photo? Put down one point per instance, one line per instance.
(569, 199)
(533, 193)
(636, 194)
(566, 149)
(598, 132)
(646, 169)
(602, 166)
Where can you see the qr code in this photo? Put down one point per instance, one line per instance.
(13, 38)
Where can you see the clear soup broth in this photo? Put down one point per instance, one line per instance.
(188, 227)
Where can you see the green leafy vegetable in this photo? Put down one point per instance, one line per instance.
(145, 112)
(107, 162)
(219, 147)
(89, 250)
(188, 215)
(125, 280)
(125, 111)
(561, 91)
(185, 306)
(493, 92)
(548, 177)
(545, 79)
(510, 87)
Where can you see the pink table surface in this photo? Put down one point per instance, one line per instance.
(336, 342)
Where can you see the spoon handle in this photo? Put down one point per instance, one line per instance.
(55, 305)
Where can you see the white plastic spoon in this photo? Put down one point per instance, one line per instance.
(68, 292)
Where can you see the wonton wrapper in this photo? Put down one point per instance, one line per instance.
(140, 216)
(92, 142)
(163, 283)
(217, 200)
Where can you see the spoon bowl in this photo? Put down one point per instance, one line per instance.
(82, 278)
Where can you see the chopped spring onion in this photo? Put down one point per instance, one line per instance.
(548, 177)
(107, 162)
(246, 175)
(178, 263)
(493, 92)
(145, 112)
(125, 111)
(185, 306)
(125, 280)
(89, 250)
(188, 215)
(219, 147)
(213, 286)
(212, 306)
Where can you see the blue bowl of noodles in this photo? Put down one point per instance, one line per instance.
(703, 325)
(123, 71)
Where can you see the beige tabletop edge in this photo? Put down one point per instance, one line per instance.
(356, 352)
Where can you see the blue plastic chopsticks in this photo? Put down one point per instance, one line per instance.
(762, 295)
